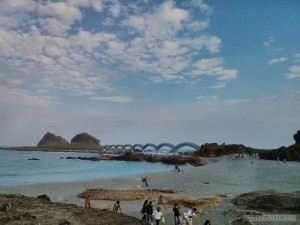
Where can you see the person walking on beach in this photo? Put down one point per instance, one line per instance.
(146, 182)
(144, 210)
(189, 216)
(176, 214)
(117, 207)
(157, 214)
(88, 201)
(143, 181)
(149, 210)
(160, 200)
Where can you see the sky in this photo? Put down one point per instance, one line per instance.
(150, 71)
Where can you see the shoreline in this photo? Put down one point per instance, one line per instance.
(236, 177)
(222, 175)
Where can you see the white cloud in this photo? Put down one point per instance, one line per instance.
(11, 80)
(198, 25)
(212, 67)
(115, 47)
(164, 22)
(202, 5)
(296, 57)
(269, 42)
(54, 26)
(19, 97)
(97, 5)
(219, 85)
(108, 22)
(16, 13)
(294, 72)
(169, 13)
(115, 9)
(116, 99)
(60, 10)
(211, 43)
(277, 60)
(171, 48)
(50, 48)
(91, 41)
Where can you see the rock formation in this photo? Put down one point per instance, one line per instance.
(297, 137)
(52, 139)
(215, 150)
(85, 138)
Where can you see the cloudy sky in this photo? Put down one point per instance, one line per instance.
(150, 71)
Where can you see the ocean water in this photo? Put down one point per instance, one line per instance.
(16, 169)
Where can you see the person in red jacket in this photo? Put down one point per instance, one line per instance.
(88, 201)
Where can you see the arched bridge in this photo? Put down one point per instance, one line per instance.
(157, 148)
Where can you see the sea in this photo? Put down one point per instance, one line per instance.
(16, 168)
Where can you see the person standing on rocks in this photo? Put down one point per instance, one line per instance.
(88, 201)
(117, 206)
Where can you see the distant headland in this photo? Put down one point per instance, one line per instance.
(85, 142)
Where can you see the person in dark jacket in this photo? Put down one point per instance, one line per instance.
(117, 206)
(149, 210)
(144, 210)
(176, 214)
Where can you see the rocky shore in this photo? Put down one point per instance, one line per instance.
(212, 188)
(192, 159)
(19, 209)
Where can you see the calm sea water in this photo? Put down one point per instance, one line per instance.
(16, 169)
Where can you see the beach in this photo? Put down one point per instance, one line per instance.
(223, 175)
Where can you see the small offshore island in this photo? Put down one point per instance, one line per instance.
(226, 190)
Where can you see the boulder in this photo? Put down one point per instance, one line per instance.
(270, 201)
(44, 197)
(51, 139)
(85, 138)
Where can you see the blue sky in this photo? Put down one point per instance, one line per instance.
(146, 71)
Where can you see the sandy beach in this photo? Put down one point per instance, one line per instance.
(223, 175)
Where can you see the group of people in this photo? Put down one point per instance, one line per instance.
(116, 207)
(157, 215)
(152, 215)
(177, 168)
(185, 218)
